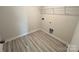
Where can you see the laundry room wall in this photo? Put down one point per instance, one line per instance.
(60, 21)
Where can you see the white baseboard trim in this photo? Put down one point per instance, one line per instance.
(13, 38)
(55, 37)
(33, 31)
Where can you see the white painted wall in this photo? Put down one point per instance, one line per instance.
(34, 18)
(63, 25)
(75, 40)
(15, 21)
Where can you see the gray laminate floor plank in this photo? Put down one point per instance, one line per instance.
(38, 41)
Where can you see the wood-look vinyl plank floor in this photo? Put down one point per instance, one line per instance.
(38, 41)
